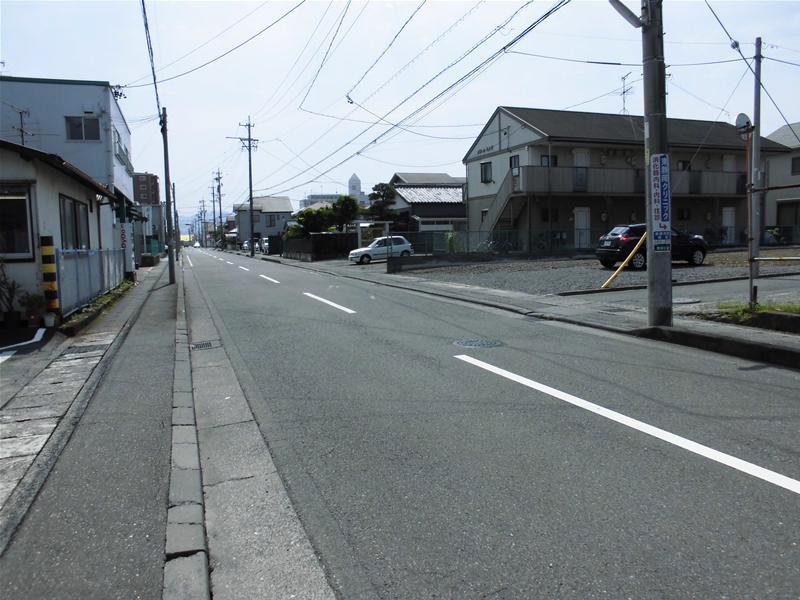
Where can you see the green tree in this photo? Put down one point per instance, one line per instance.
(345, 209)
(381, 202)
(315, 220)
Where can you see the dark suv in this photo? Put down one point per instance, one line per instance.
(617, 244)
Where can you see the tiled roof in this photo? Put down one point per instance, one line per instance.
(427, 178)
(786, 135)
(267, 204)
(430, 194)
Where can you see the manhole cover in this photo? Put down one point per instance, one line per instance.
(84, 349)
(201, 346)
(477, 343)
(685, 301)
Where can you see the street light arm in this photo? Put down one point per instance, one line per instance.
(626, 13)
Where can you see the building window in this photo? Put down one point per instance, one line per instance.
(83, 128)
(484, 212)
(513, 164)
(549, 215)
(486, 172)
(684, 165)
(549, 160)
(796, 165)
(74, 224)
(256, 217)
(271, 221)
(15, 224)
(683, 214)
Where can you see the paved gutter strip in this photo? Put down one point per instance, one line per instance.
(186, 566)
(257, 545)
(39, 419)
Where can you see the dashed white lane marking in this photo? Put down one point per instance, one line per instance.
(329, 303)
(190, 261)
(269, 279)
(772, 477)
(37, 337)
(243, 268)
(4, 356)
(229, 262)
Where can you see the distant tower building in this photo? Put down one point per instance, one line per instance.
(354, 190)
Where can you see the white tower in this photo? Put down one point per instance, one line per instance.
(354, 186)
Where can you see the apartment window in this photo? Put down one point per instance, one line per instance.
(484, 212)
(256, 217)
(549, 215)
(548, 160)
(796, 165)
(513, 164)
(684, 165)
(683, 214)
(83, 128)
(74, 224)
(271, 220)
(486, 172)
(15, 224)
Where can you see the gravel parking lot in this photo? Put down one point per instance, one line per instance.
(554, 276)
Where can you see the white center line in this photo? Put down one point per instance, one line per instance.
(190, 261)
(229, 262)
(329, 303)
(772, 477)
(269, 279)
(243, 268)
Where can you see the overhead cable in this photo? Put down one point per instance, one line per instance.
(325, 57)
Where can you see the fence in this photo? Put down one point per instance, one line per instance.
(85, 274)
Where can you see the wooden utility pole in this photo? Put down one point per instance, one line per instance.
(250, 143)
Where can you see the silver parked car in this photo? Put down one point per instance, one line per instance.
(381, 248)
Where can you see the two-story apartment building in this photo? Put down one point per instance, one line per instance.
(782, 207)
(82, 122)
(541, 180)
(270, 214)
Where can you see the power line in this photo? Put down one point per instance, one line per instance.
(385, 50)
(786, 62)
(620, 64)
(325, 57)
(224, 54)
(204, 44)
(420, 88)
(150, 55)
(735, 46)
(473, 73)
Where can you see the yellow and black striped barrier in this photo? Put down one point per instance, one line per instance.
(49, 273)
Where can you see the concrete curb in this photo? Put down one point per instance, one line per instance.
(186, 549)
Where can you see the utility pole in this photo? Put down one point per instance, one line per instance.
(203, 221)
(250, 144)
(167, 186)
(758, 175)
(218, 179)
(658, 198)
(213, 216)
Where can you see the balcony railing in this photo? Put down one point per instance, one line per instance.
(591, 180)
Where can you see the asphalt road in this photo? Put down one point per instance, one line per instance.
(564, 462)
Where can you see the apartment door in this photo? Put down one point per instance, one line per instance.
(582, 227)
(728, 225)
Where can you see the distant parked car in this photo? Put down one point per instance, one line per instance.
(617, 244)
(197, 244)
(382, 247)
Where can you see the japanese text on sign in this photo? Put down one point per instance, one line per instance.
(661, 198)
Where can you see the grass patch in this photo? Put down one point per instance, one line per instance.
(84, 316)
(741, 312)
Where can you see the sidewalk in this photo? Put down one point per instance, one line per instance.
(86, 457)
(597, 310)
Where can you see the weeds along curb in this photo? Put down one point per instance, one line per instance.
(79, 321)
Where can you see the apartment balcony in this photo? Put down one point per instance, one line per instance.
(612, 182)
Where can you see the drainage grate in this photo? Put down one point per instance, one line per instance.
(84, 349)
(202, 346)
(477, 343)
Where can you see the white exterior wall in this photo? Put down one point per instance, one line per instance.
(48, 185)
(779, 172)
(48, 103)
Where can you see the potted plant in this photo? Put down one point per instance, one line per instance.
(8, 293)
(34, 305)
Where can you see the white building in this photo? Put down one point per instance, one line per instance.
(782, 207)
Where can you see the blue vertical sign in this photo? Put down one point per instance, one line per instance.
(661, 196)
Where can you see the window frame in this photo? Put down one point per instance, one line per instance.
(513, 164)
(20, 192)
(71, 207)
(548, 160)
(794, 165)
(486, 172)
(83, 119)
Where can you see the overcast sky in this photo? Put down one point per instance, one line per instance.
(270, 77)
